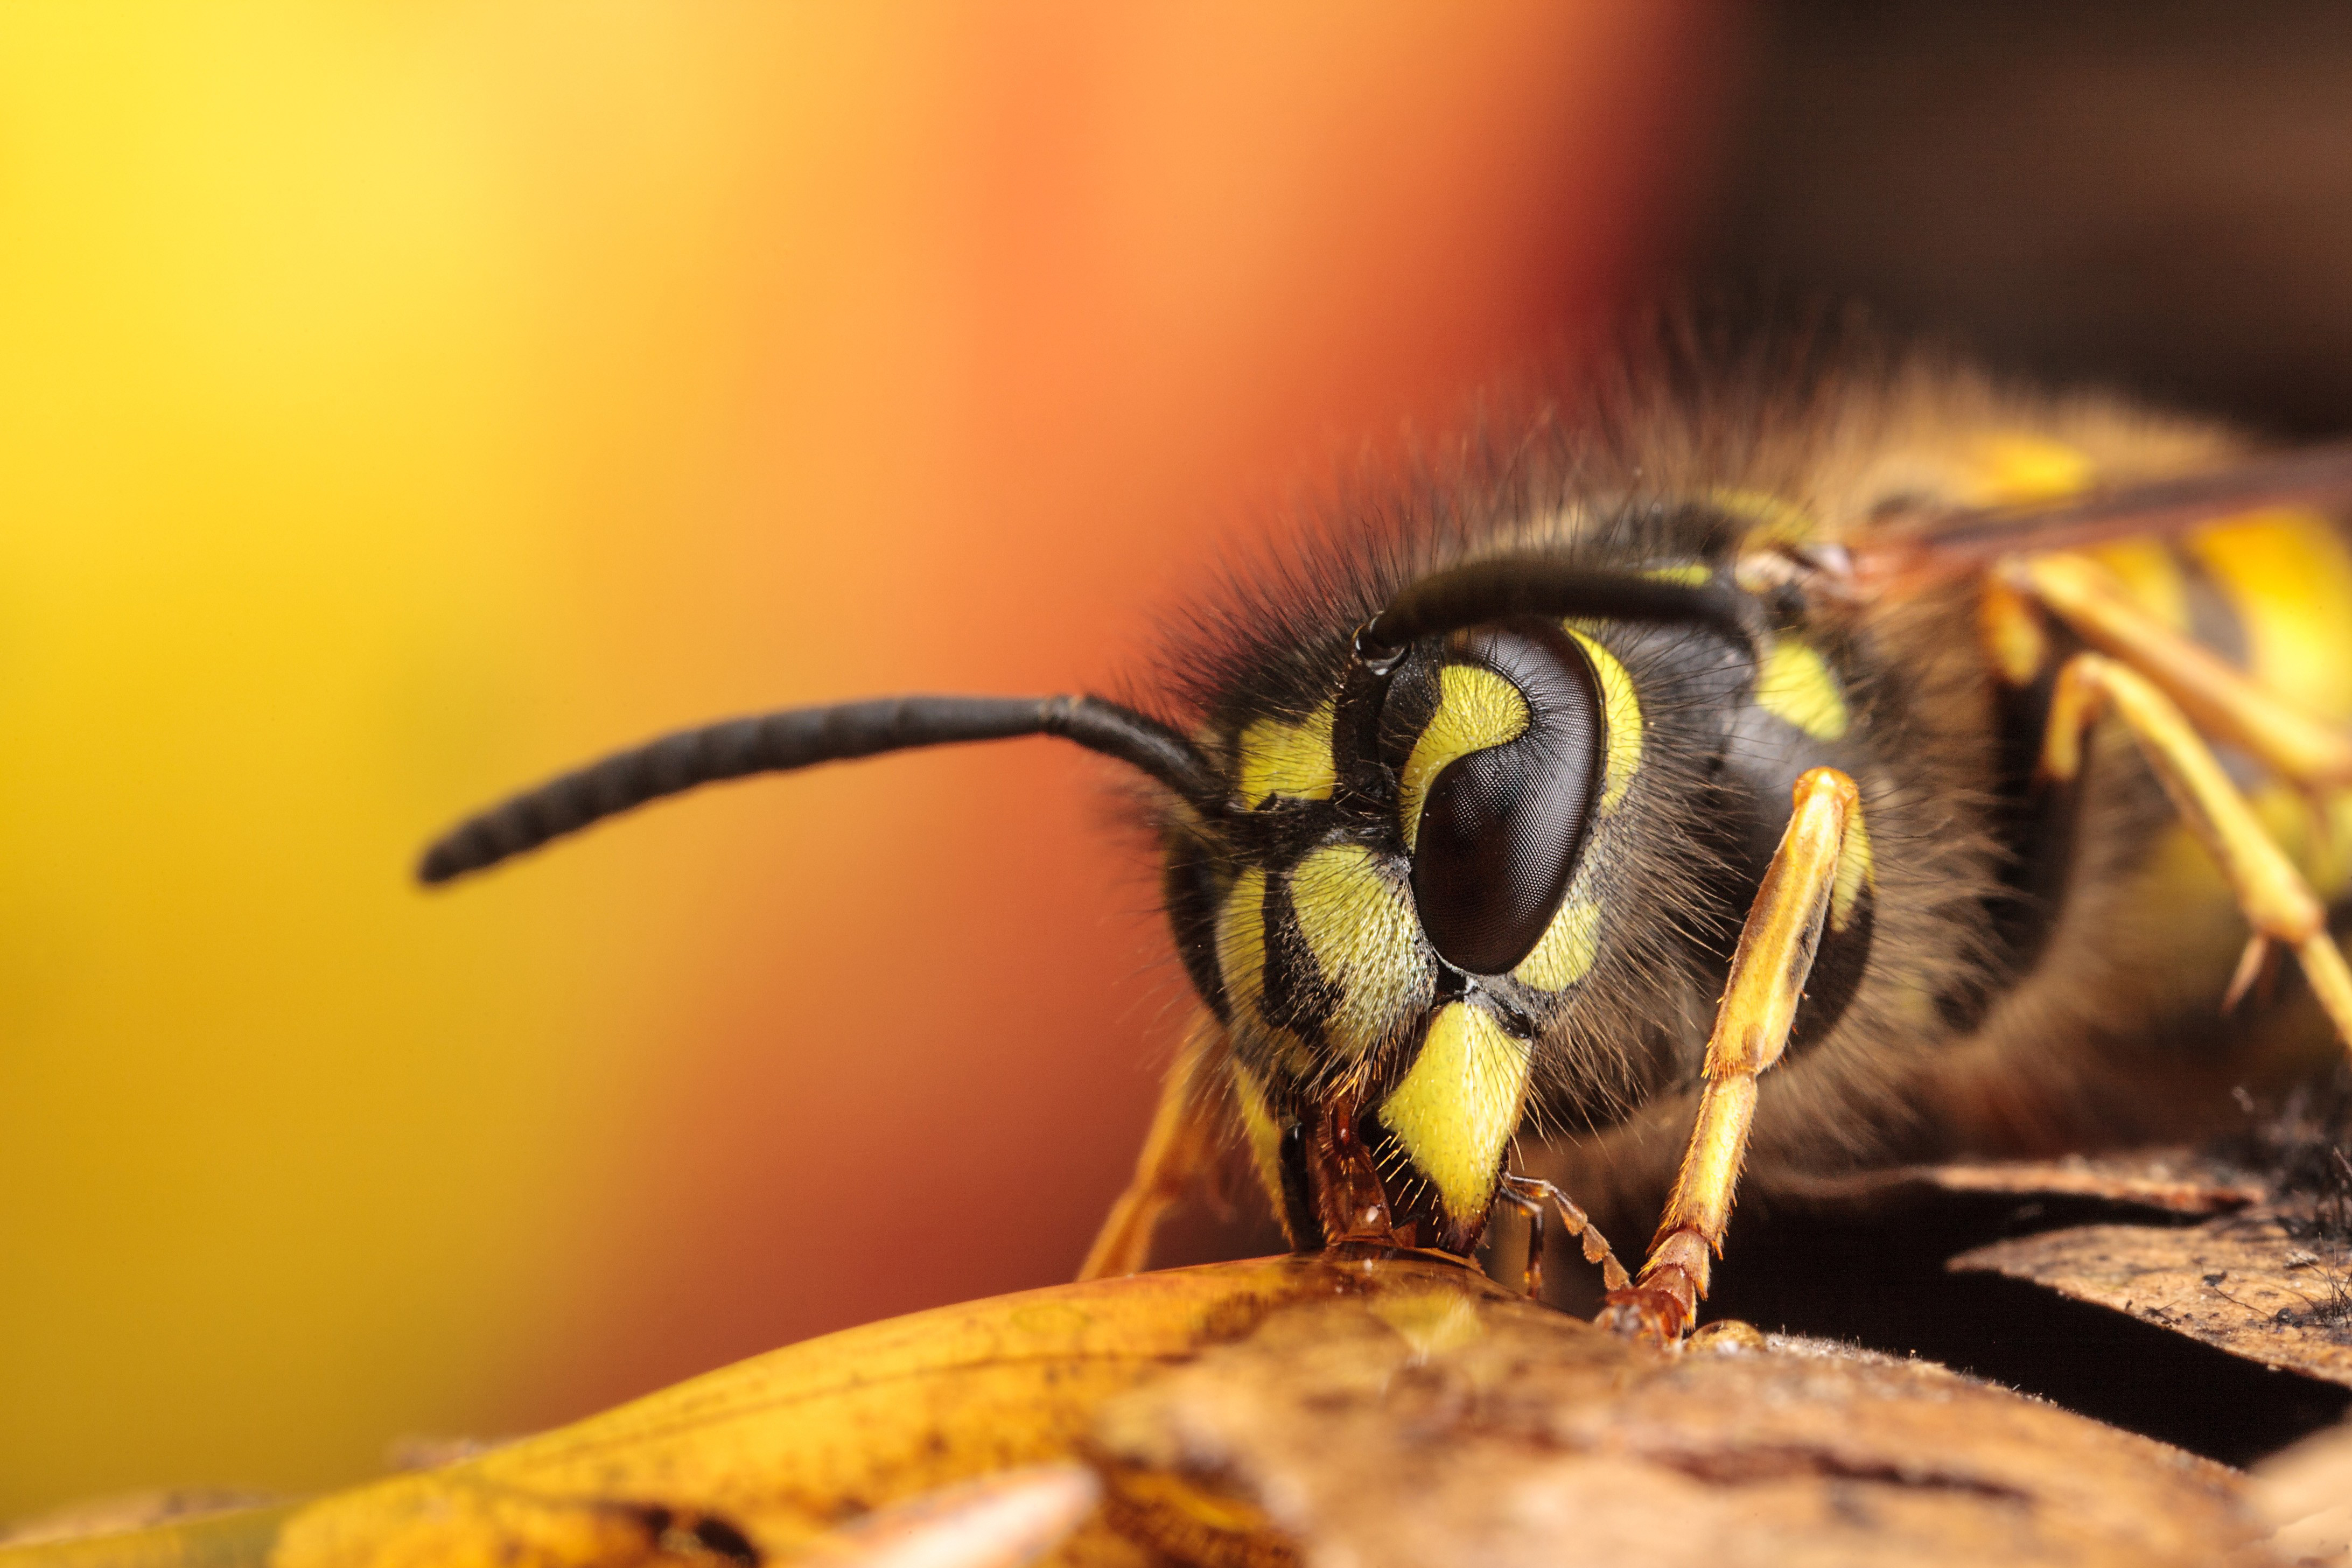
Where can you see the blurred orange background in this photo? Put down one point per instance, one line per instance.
(400, 402)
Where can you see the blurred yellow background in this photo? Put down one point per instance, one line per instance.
(399, 402)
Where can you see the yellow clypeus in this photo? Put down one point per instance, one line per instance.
(1458, 1107)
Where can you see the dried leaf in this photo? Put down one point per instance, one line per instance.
(1370, 1410)
(1448, 1426)
(2243, 1284)
(768, 1457)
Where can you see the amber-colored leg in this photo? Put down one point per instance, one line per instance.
(1802, 889)
(1174, 1151)
(1531, 1195)
(2278, 903)
(2221, 701)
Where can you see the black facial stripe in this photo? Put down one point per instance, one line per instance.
(1293, 995)
(1502, 827)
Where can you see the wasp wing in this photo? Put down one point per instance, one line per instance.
(1953, 542)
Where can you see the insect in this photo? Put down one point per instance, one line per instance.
(1817, 757)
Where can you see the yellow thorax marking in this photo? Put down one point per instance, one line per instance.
(1778, 522)
(1476, 708)
(1294, 760)
(1795, 686)
(2015, 467)
(1563, 954)
(1689, 573)
(1362, 930)
(1620, 710)
(1459, 1105)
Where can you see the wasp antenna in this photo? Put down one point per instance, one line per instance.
(1507, 586)
(800, 737)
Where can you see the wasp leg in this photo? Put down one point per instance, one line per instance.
(1530, 1206)
(2218, 699)
(1816, 875)
(1529, 1195)
(2276, 900)
(1182, 1133)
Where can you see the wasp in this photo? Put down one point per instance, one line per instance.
(1810, 757)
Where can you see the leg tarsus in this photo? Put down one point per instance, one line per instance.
(1662, 1303)
(1529, 1195)
(1532, 1209)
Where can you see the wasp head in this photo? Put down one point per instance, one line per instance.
(1400, 893)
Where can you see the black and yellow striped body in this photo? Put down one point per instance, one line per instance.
(2004, 965)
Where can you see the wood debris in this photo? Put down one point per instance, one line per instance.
(1444, 1427)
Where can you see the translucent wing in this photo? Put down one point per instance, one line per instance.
(1955, 543)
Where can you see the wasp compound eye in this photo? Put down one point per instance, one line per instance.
(1502, 818)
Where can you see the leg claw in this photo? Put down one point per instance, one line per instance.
(1659, 1308)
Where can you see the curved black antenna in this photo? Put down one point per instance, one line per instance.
(800, 737)
(1506, 586)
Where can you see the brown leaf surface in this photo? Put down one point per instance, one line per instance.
(2244, 1284)
(1372, 1411)
(1445, 1426)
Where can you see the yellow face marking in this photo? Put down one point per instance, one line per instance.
(1362, 930)
(1476, 708)
(1293, 761)
(1260, 1131)
(1563, 954)
(1458, 1107)
(2289, 578)
(1622, 712)
(1241, 942)
(1795, 686)
(1690, 574)
(2014, 467)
